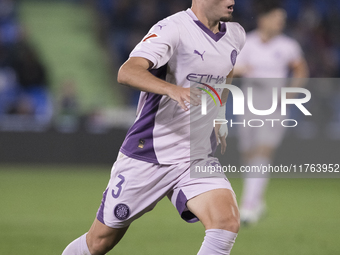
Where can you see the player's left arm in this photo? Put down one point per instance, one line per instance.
(225, 92)
(297, 64)
(221, 131)
(300, 71)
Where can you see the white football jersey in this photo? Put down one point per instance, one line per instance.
(186, 53)
(268, 59)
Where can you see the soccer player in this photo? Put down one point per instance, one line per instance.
(267, 54)
(195, 46)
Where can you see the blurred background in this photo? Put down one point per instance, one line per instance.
(59, 61)
(63, 118)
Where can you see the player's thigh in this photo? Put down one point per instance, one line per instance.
(263, 150)
(216, 209)
(101, 238)
(246, 139)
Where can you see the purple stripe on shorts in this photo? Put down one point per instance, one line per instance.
(138, 143)
(216, 37)
(181, 202)
(100, 213)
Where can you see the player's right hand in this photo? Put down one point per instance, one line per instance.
(185, 96)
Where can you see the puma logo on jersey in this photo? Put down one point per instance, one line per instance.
(150, 36)
(161, 26)
(201, 55)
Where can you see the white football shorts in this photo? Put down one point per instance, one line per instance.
(135, 187)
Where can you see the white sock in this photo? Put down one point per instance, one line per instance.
(254, 188)
(217, 242)
(77, 247)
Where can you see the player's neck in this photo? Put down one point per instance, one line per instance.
(265, 36)
(213, 25)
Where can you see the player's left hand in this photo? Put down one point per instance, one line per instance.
(221, 139)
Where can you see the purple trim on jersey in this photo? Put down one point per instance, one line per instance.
(138, 143)
(100, 213)
(142, 130)
(181, 205)
(216, 37)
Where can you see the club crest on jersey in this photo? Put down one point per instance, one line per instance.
(233, 57)
(122, 211)
(214, 162)
(150, 36)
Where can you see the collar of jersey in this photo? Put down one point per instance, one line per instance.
(216, 37)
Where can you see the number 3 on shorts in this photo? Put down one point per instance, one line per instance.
(119, 186)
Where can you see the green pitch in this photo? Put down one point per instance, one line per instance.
(44, 208)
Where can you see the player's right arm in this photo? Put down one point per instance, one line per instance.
(153, 52)
(135, 73)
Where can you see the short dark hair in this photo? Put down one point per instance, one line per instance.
(263, 7)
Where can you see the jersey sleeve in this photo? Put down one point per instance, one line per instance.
(159, 44)
(237, 35)
(243, 56)
(294, 51)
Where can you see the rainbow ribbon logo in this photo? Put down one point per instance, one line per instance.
(209, 93)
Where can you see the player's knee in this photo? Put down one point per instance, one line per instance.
(227, 222)
(100, 246)
(234, 224)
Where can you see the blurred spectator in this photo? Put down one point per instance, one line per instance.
(8, 89)
(23, 82)
(68, 108)
(33, 98)
(9, 26)
(68, 104)
(96, 121)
